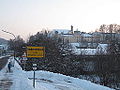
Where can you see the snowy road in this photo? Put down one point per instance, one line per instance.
(3, 62)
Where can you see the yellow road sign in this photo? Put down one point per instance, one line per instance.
(33, 51)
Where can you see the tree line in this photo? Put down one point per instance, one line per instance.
(111, 28)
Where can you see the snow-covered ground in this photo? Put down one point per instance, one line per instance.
(22, 80)
(4, 56)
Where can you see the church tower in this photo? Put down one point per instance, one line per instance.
(71, 29)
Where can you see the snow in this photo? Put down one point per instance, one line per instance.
(64, 31)
(67, 35)
(88, 51)
(75, 44)
(3, 56)
(86, 35)
(104, 46)
(45, 80)
(3, 46)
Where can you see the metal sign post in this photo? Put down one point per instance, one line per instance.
(34, 68)
(35, 52)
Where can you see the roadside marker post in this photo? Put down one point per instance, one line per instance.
(34, 68)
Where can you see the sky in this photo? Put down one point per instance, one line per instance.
(27, 17)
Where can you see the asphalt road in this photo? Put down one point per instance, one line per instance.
(3, 62)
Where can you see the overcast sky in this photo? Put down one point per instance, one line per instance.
(26, 17)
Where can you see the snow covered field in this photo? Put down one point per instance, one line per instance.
(22, 80)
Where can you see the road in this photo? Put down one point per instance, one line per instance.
(3, 62)
(5, 82)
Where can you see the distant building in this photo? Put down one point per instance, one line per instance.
(86, 40)
(3, 49)
(71, 29)
(70, 36)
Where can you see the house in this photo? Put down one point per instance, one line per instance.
(85, 37)
(107, 37)
(3, 49)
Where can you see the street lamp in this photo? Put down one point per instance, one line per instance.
(9, 33)
(14, 39)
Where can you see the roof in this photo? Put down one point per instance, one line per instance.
(66, 35)
(60, 31)
(86, 35)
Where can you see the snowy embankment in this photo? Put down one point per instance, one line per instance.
(45, 80)
(4, 56)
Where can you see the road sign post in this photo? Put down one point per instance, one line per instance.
(35, 52)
